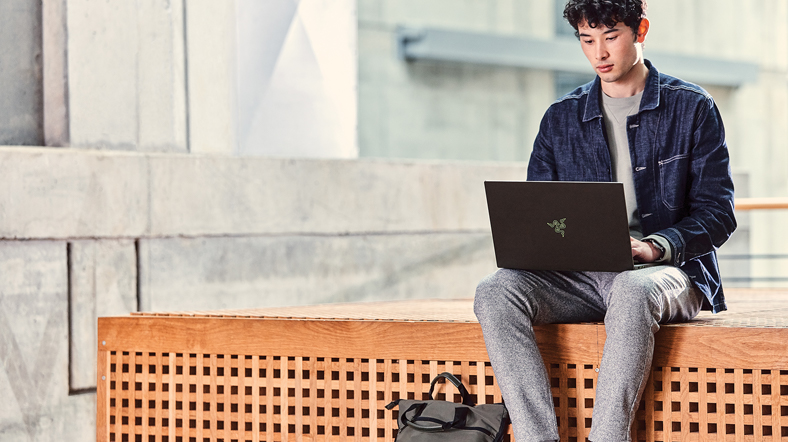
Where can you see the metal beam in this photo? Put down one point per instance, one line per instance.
(561, 54)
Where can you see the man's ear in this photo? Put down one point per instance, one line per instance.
(642, 30)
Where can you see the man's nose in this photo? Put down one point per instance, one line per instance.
(601, 52)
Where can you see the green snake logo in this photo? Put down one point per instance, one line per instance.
(559, 226)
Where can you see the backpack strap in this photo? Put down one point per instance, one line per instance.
(466, 397)
(416, 422)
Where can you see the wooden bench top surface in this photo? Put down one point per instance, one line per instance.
(746, 308)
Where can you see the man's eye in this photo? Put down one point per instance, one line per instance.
(612, 38)
(588, 42)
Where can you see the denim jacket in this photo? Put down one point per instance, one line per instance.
(680, 165)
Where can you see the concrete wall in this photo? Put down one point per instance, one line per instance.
(449, 110)
(87, 233)
(237, 77)
(426, 109)
(34, 351)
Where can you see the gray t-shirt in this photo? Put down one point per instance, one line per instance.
(615, 112)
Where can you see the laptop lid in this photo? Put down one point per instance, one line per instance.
(559, 225)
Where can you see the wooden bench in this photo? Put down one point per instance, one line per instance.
(325, 373)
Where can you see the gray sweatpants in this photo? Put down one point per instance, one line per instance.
(632, 304)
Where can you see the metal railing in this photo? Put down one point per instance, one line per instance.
(749, 204)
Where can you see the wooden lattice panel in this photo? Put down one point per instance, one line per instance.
(697, 404)
(573, 389)
(198, 397)
(254, 376)
(683, 404)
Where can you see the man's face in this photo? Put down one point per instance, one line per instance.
(611, 51)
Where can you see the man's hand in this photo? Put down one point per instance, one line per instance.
(644, 251)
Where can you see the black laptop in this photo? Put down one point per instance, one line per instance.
(560, 225)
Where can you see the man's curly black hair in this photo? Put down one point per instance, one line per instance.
(605, 12)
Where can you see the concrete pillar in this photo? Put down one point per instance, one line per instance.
(297, 78)
(21, 90)
(211, 72)
(55, 87)
(126, 75)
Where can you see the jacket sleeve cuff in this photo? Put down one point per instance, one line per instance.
(662, 241)
(676, 244)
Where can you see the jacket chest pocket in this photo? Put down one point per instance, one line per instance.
(673, 180)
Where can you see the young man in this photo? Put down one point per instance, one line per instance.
(664, 139)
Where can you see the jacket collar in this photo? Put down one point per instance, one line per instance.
(650, 100)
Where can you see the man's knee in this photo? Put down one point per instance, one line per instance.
(633, 299)
(487, 293)
(497, 293)
(635, 288)
(636, 299)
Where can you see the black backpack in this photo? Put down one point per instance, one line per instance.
(435, 421)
